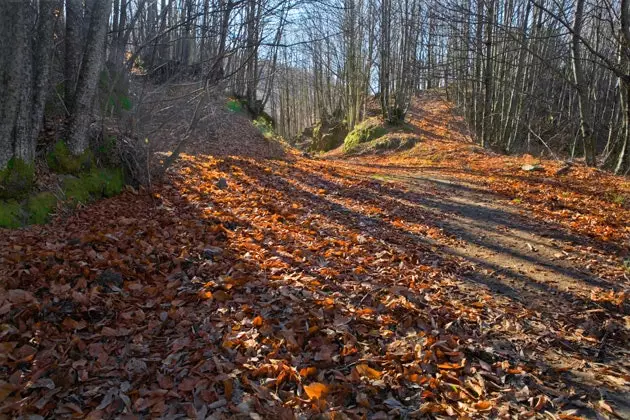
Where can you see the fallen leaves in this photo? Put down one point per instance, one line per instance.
(299, 289)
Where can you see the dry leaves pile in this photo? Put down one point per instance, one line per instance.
(295, 290)
(278, 289)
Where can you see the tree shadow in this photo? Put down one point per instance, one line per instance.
(334, 225)
(436, 207)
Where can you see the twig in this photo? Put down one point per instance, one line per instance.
(543, 142)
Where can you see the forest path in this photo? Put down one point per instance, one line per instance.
(519, 259)
(396, 286)
(514, 252)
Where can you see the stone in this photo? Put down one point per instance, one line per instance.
(211, 252)
(222, 184)
(110, 279)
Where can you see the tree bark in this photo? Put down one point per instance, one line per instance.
(88, 77)
(586, 119)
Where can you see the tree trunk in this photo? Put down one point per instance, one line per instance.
(88, 77)
(586, 119)
(73, 42)
(487, 80)
(24, 77)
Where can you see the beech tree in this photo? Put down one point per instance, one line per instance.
(25, 66)
(538, 76)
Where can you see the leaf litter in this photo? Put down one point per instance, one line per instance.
(296, 291)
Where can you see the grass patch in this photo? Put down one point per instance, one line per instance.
(617, 198)
(39, 207)
(384, 178)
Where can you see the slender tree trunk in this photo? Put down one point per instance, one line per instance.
(78, 126)
(73, 41)
(487, 79)
(586, 119)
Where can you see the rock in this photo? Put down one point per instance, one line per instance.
(328, 135)
(564, 170)
(531, 168)
(111, 280)
(211, 252)
(222, 184)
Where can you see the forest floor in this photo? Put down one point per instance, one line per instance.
(441, 282)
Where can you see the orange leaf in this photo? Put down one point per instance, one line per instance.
(5, 390)
(205, 294)
(308, 371)
(228, 388)
(365, 370)
(258, 321)
(483, 405)
(316, 390)
(450, 366)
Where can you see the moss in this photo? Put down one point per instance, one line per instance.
(391, 142)
(76, 190)
(10, 214)
(16, 179)
(265, 127)
(317, 130)
(40, 206)
(234, 105)
(37, 208)
(366, 131)
(97, 183)
(61, 160)
(112, 181)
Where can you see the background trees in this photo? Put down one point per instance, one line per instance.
(546, 76)
(554, 79)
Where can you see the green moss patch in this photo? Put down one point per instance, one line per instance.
(39, 207)
(367, 131)
(101, 182)
(265, 127)
(234, 105)
(16, 179)
(387, 143)
(10, 214)
(18, 208)
(62, 161)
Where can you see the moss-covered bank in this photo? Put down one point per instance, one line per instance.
(81, 182)
(367, 131)
(16, 179)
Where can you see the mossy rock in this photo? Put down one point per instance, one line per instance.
(16, 179)
(10, 214)
(62, 161)
(363, 133)
(385, 144)
(328, 136)
(40, 206)
(101, 182)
